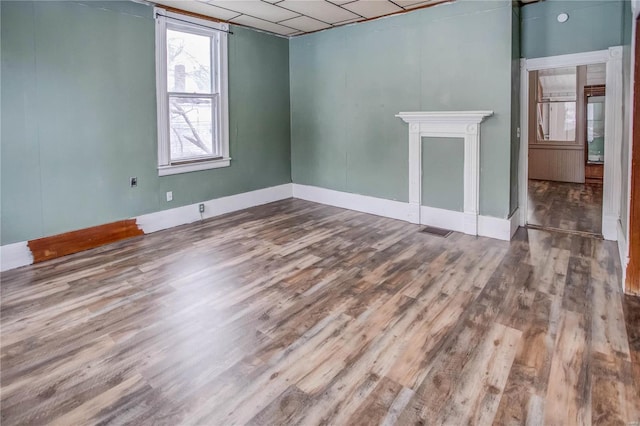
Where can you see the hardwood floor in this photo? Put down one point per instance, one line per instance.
(566, 206)
(298, 313)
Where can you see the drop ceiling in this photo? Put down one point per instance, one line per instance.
(294, 17)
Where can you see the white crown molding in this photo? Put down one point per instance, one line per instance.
(446, 124)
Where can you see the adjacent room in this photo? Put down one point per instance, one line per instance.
(269, 212)
(566, 155)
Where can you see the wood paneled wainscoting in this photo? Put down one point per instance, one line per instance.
(564, 163)
(300, 313)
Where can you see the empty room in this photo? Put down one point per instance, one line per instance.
(338, 212)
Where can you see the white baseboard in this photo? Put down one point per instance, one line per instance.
(610, 228)
(500, 229)
(15, 255)
(492, 227)
(623, 251)
(165, 219)
(515, 222)
(357, 202)
(442, 218)
(18, 254)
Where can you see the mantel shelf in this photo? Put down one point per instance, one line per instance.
(470, 117)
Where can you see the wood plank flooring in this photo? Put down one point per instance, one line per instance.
(566, 206)
(299, 313)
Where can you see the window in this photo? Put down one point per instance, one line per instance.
(556, 105)
(191, 80)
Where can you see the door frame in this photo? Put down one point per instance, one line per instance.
(630, 253)
(612, 57)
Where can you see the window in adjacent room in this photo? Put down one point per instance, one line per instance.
(191, 80)
(556, 105)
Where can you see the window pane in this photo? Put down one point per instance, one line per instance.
(558, 84)
(188, 62)
(191, 129)
(595, 129)
(556, 121)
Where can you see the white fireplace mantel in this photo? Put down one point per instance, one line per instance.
(446, 124)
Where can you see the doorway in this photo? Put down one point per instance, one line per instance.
(548, 125)
(566, 148)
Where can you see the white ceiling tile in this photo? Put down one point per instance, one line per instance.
(201, 8)
(257, 9)
(263, 25)
(372, 8)
(301, 15)
(306, 24)
(321, 10)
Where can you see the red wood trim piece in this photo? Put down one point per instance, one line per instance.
(633, 268)
(84, 239)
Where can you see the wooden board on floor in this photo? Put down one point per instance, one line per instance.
(84, 239)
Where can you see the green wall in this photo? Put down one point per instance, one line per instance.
(79, 118)
(592, 25)
(348, 83)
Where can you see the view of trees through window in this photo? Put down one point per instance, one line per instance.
(191, 97)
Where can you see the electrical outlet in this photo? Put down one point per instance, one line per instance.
(170, 196)
(201, 208)
(133, 181)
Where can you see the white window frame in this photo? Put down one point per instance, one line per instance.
(219, 32)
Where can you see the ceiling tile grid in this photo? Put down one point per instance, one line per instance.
(294, 17)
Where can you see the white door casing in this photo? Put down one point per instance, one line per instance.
(612, 57)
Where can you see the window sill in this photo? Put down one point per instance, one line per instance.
(193, 167)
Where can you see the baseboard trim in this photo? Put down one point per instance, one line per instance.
(610, 228)
(492, 227)
(515, 222)
(15, 255)
(59, 245)
(361, 203)
(19, 254)
(623, 251)
(442, 218)
(165, 219)
(500, 229)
